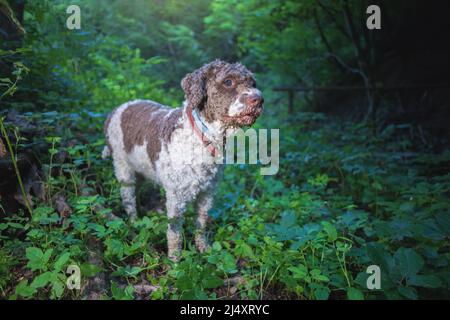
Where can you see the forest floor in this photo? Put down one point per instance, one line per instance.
(343, 199)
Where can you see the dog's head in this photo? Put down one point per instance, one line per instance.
(224, 92)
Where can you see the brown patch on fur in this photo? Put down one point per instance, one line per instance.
(151, 122)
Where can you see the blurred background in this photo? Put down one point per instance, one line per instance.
(143, 48)
(364, 151)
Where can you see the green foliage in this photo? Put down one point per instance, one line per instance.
(308, 234)
(6, 265)
(8, 85)
(99, 74)
(121, 293)
(343, 199)
(51, 279)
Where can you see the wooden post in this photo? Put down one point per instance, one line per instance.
(291, 101)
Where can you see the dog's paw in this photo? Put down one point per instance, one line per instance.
(201, 243)
(174, 256)
(132, 218)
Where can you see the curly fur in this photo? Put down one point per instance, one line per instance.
(158, 143)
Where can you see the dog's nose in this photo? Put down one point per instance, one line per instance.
(254, 99)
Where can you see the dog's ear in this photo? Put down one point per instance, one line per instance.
(194, 86)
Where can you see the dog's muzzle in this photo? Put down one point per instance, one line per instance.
(253, 108)
(253, 102)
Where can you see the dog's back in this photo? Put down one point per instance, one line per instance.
(138, 123)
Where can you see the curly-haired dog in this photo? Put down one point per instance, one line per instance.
(168, 145)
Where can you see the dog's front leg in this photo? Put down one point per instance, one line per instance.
(204, 204)
(175, 212)
(127, 192)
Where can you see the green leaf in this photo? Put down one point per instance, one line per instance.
(41, 280)
(37, 260)
(316, 275)
(330, 230)
(430, 229)
(216, 246)
(24, 290)
(6, 80)
(244, 250)
(33, 253)
(47, 255)
(322, 293)
(426, 281)
(354, 294)
(127, 271)
(408, 262)
(212, 282)
(121, 294)
(408, 292)
(299, 272)
(62, 260)
(225, 262)
(443, 220)
(57, 288)
(114, 248)
(183, 281)
(15, 225)
(379, 255)
(41, 213)
(34, 256)
(321, 277)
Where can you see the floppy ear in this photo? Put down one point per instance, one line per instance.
(194, 86)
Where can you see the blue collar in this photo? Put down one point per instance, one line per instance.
(199, 123)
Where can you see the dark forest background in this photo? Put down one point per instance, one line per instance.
(364, 159)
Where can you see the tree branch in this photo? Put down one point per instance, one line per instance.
(353, 35)
(346, 66)
(332, 16)
(321, 33)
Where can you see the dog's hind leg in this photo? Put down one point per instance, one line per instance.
(127, 179)
(204, 204)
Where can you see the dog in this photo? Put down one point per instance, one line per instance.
(167, 145)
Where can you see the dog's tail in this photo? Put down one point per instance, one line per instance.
(106, 152)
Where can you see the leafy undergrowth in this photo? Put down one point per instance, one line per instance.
(343, 200)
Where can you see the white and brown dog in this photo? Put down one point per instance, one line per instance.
(167, 145)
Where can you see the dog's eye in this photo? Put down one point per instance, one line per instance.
(228, 83)
(251, 83)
